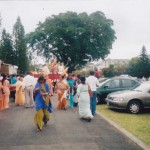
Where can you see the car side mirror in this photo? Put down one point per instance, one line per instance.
(106, 86)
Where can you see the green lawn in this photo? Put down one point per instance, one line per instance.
(138, 125)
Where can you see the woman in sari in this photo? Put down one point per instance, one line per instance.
(19, 97)
(84, 100)
(42, 102)
(6, 86)
(62, 89)
(71, 83)
(1, 95)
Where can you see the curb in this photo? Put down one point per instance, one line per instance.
(125, 132)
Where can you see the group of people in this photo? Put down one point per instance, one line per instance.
(32, 92)
(4, 92)
(54, 68)
(80, 91)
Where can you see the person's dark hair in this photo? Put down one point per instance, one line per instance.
(63, 76)
(21, 75)
(4, 78)
(91, 73)
(83, 80)
(13, 75)
(78, 76)
(28, 73)
(41, 78)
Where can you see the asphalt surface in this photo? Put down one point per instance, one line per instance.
(65, 131)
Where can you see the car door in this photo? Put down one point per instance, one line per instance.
(111, 86)
(146, 100)
(127, 84)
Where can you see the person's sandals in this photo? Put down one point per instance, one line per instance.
(38, 128)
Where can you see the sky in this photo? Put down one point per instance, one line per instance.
(131, 19)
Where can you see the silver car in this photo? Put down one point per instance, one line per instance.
(131, 100)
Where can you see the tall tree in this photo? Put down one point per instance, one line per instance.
(7, 54)
(140, 67)
(20, 46)
(144, 64)
(74, 39)
(133, 68)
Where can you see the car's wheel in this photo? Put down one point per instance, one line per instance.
(99, 100)
(134, 107)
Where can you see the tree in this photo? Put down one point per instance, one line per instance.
(7, 54)
(20, 46)
(140, 67)
(133, 67)
(144, 64)
(109, 72)
(74, 39)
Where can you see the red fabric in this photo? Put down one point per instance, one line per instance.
(97, 74)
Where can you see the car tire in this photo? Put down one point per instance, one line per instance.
(98, 100)
(134, 107)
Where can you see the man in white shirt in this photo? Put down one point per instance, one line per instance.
(28, 84)
(93, 82)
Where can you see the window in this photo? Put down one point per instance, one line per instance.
(127, 83)
(113, 84)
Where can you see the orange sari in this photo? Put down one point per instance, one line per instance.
(61, 90)
(20, 98)
(6, 87)
(1, 97)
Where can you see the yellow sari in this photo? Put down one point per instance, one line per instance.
(42, 115)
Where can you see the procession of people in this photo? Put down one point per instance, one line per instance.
(72, 90)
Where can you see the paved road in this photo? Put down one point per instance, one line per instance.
(65, 131)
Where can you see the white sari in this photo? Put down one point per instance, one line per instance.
(84, 101)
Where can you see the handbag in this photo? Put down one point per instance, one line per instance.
(90, 91)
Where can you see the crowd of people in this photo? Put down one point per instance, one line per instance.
(32, 92)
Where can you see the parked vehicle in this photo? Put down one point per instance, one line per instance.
(113, 85)
(132, 100)
(102, 80)
(8, 68)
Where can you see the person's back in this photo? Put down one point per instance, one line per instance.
(28, 80)
(13, 80)
(84, 88)
(93, 83)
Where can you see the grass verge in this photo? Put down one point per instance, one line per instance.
(138, 125)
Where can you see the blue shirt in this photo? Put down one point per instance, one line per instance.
(13, 80)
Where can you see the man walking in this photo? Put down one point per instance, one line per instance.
(28, 84)
(93, 82)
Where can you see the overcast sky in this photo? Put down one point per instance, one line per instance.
(131, 19)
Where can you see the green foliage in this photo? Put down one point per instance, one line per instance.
(74, 39)
(20, 46)
(7, 53)
(121, 69)
(110, 72)
(140, 67)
